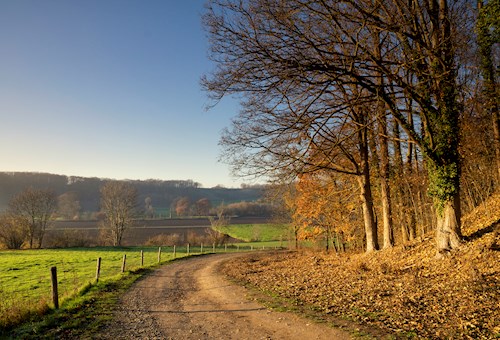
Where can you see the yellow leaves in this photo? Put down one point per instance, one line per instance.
(322, 202)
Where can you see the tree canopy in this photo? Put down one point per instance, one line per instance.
(315, 76)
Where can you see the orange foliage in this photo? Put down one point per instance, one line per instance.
(324, 204)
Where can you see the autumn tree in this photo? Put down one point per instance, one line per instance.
(119, 204)
(299, 63)
(32, 210)
(326, 207)
(305, 129)
(182, 206)
(203, 206)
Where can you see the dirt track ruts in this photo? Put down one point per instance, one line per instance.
(189, 299)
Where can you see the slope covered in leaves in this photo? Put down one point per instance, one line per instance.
(406, 292)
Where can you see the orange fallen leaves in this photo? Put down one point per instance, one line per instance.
(405, 292)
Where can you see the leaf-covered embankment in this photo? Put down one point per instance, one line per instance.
(405, 291)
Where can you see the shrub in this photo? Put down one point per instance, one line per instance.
(69, 238)
(12, 234)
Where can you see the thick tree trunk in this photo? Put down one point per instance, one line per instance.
(442, 132)
(448, 233)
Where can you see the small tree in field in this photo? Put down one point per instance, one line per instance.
(119, 204)
(32, 211)
(221, 219)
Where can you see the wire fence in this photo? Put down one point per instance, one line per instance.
(25, 276)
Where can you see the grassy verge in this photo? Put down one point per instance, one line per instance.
(80, 316)
(25, 284)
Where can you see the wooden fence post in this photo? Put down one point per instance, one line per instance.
(98, 270)
(201, 248)
(55, 295)
(174, 252)
(188, 249)
(142, 258)
(213, 247)
(225, 247)
(159, 254)
(123, 263)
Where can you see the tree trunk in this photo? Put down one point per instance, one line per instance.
(385, 191)
(442, 131)
(383, 144)
(366, 195)
(448, 233)
(396, 145)
(368, 215)
(495, 116)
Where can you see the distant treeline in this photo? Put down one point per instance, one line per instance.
(159, 194)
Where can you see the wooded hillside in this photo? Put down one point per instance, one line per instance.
(85, 190)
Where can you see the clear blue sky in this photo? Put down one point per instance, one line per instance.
(108, 88)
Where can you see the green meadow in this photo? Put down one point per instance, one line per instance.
(256, 232)
(25, 275)
(25, 279)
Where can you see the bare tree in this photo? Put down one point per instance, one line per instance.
(33, 210)
(119, 204)
(221, 219)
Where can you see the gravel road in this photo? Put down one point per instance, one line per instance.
(189, 299)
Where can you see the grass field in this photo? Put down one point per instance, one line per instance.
(256, 232)
(25, 281)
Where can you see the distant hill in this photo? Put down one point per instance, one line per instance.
(162, 193)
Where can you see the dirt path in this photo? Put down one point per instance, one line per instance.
(189, 300)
